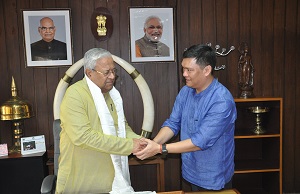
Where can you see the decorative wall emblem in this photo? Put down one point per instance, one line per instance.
(101, 20)
(101, 24)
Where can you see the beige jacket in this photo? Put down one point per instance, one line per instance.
(85, 164)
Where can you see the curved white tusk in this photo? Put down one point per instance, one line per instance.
(145, 93)
(63, 85)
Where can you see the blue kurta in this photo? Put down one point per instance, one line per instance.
(208, 119)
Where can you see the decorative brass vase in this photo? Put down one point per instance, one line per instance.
(257, 110)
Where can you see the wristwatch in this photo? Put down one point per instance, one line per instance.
(164, 150)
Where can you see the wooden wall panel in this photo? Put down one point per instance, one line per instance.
(267, 43)
(77, 35)
(208, 21)
(5, 132)
(195, 24)
(289, 101)
(297, 105)
(255, 44)
(182, 33)
(13, 67)
(271, 29)
(278, 79)
(233, 38)
(221, 34)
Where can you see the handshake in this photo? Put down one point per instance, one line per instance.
(144, 148)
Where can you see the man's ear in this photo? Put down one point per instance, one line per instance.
(207, 70)
(88, 72)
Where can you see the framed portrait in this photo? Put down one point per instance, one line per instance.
(47, 37)
(152, 34)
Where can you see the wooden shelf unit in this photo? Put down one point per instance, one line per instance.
(258, 158)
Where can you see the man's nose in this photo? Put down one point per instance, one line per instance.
(184, 73)
(112, 75)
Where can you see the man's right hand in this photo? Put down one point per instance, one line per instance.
(150, 150)
(138, 145)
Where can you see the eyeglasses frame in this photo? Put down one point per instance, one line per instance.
(111, 71)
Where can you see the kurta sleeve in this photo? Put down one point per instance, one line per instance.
(130, 133)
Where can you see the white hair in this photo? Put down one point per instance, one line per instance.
(92, 55)
(150, 18)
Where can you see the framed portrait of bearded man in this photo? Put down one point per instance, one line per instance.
(152, 36)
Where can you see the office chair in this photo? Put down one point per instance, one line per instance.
(49, 182)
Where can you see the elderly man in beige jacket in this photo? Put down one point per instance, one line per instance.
(95, 137)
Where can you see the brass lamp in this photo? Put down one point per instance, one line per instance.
(15, 110)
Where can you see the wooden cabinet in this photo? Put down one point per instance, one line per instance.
(258, 157)
(22, 173)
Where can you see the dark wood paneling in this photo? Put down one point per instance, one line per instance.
(278, 76)
(5, 132)
(233, 37)
(195, 23)
(182, 34)
(271, 29)
(267, 43)
(297, 105)
(221, 33)
(12, 65)
(289, 102)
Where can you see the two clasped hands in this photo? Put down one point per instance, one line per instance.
(144, 148)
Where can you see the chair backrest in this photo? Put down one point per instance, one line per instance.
(56, 132)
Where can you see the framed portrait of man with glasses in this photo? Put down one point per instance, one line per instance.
(152, 36)
(47, 37)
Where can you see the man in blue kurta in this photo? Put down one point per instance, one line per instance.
(204, 113)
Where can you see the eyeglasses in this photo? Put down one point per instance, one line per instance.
(44, 29)
(107, 73)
